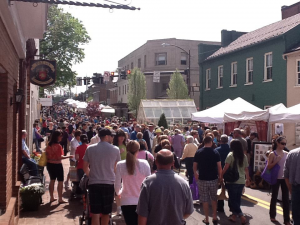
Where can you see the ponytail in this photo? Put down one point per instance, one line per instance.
(132, 147)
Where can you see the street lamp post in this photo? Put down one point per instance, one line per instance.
(188, 77)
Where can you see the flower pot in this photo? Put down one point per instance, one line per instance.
(30, 202)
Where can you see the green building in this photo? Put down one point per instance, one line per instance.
(248, 65)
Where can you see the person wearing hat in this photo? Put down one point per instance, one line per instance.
(151, 135)
(134, 133)
(99, 164)
(158, 132)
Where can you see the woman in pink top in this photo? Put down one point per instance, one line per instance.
(131, 172)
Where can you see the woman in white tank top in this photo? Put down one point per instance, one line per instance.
(278, 156)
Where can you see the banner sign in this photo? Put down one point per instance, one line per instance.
(42, 72)
(106, 76)
(156, 76)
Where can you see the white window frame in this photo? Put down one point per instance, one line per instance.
(157, 59)
(207, 79)
(248, 70)
(266, 68)
(232, 75)
(220, 75)
(297, 73)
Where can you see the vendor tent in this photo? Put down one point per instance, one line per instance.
(108, 109)
(242, 110)
(279, 113)
(214, 114)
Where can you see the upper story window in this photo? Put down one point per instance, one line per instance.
(234, 74)
(220, 76)
(145, 61)
(139, 63)
(207, 79)
(249, 70)
(132, 65)
(298, 72)
(268, 66)
(183, 58)
(119, 90)
(160, 59)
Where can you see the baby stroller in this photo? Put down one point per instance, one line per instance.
(75, 190)
(86, 218)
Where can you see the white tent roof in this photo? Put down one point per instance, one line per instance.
(214, 114)
(285, 115)
(108, 109)
(277, 113)
(243, 111)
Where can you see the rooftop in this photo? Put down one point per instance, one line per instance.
(260, 35)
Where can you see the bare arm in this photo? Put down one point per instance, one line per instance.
(86, 168)
(287, 181)
(247, 176)
(225, 169)
(25, 154)
(196, 175)
(77, 157)
(142, 220)
(272, 161)
(220, 171)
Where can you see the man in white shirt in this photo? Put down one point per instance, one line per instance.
(75, 142)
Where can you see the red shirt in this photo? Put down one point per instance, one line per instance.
(54, 153)
(80, 150)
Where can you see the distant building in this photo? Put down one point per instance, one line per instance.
(260, 66)
(152, 56)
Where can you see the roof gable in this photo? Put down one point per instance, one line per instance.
(255, 37)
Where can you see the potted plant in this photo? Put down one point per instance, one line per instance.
(31, 196)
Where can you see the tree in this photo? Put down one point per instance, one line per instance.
(163, 121)
(62, 42)
(93, 109)
(137, 89)
(177, 87)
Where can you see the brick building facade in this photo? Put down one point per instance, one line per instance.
(15, 30)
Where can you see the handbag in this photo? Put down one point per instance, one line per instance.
(232, 173)
(270, 175)
(43, 159)
(194, 189)
(222, 193)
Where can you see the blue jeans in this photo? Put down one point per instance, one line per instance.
(235, 194)
(31, 164)
(296, 204)
(36, 142)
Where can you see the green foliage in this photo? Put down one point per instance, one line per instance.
(177, 87)
(163, 121)
(137, 89)
(62, 42)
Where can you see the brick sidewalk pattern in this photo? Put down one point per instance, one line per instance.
(55, 214)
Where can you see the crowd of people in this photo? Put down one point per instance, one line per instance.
(134, 164)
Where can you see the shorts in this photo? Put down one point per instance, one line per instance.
(208, 190)
(55, 171)
(101, 198)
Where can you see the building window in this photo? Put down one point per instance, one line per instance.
(139, 63)
(145, 61)
(131, 65)
(220, 76)
(183, 58)
(160, 59)
(119, 90)
(268, 66)
(249, 70)
(234, 74)
(125, 89)
(208, 79)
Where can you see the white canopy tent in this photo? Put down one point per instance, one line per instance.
(279, 113)
(108, 109)
(242, 110)
(214, 114)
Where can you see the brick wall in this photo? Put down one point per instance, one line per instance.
(8, 124)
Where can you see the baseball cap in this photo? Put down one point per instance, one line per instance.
(105, 131)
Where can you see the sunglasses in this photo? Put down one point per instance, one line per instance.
(282, 143)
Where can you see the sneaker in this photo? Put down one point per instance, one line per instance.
(119, 211)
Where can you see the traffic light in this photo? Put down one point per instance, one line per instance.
(84, 81)
(112, 74)
(88, 81)
(128, 72)
(123, 74)
(96, 78)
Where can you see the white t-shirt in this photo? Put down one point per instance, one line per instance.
(74, 144)
(130, 190)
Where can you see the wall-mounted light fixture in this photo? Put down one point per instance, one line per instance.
(18, 97)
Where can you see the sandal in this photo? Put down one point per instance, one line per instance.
(205, 221)
(243, 220)
(273, 220)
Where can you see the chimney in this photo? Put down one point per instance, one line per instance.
(229, 36)
(288, 11)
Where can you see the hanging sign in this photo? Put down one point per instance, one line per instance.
(42, 72)
(156, 76)
(106, 76)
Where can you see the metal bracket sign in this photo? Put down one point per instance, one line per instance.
(42, 72)
(156, 76)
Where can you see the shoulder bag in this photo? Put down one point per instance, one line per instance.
(232, 173)
(270, 175)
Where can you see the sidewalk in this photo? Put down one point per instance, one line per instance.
(55, 214)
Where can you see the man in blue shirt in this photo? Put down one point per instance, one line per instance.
(223, 151)
(123, 127)
(134, 133)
